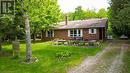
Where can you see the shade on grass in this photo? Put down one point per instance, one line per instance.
(126, 60)
(48, 63)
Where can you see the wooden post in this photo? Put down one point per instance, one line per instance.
(16, 49)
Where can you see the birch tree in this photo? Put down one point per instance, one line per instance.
(44, 14)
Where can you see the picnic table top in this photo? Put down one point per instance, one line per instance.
(92, 41)
(61, 40)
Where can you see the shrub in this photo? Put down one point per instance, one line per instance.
(81, 43)
(91, 44)
(70, 42)
(60, 43)
(63, 54)
(74, 42)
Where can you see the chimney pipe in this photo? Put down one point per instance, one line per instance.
(66, 20)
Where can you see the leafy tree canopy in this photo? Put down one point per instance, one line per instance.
(81, 14)
(120, 16)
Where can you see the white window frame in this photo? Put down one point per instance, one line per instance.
(78, 34)
(94, 31)
(47, 35)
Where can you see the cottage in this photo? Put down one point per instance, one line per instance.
(91, 29)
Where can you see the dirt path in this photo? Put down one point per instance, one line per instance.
(110, 60)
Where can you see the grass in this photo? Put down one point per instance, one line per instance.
(46, 53)
(126, 60)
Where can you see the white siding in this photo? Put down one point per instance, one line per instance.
(81, 32)
(89, 31)
(95, 31)
(68, 33)
(53, 34)
(46, 33)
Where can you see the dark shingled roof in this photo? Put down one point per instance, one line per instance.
(90, 23)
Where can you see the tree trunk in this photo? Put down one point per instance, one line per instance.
(0, 44)
(34, 36)
(41, 35)
(28, 39)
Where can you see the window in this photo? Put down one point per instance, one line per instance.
(75, 33)
(49, 33)
(92, 31)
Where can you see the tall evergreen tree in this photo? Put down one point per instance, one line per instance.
(119, 17)
(79, 13)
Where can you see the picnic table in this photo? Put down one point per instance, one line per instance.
(62, 42)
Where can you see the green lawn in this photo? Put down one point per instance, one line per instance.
(126, 61)
(48, 63)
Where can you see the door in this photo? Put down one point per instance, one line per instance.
(100, 34)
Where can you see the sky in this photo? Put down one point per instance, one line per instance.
(70, 5)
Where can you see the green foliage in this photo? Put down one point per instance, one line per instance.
(60, 43)
(44, 14)
(90, 14)
(119, 17)
(7, 27)
(12, 24)
(81, 14)
(91, 43)
(82, 43)
(63, 54)
(19, 20)
(102, 13)
(74, 42)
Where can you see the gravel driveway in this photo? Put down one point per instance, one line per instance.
(109, 60)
